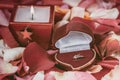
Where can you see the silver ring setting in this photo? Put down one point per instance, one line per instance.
(78, 56)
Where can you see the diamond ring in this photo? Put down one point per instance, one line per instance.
(78, 56)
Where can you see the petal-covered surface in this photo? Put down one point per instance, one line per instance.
(113, 74)
(105, 18)
(36, 58)
(109, 45)
(70, 75)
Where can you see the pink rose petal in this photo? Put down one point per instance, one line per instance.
(86, 3)
(3, 19)
(107, 4)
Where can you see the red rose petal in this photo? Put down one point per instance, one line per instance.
(36, 58)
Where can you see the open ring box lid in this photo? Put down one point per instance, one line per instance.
(74, 41)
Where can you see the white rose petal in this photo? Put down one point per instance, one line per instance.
(77, 12)
(72, 2)
(7, 68)
(39, 76)
(13, 54)
(105, 13)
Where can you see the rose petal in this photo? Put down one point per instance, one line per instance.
(109, 45)
(2, 47)
(72, 2)
(94, 69)
(48, 76)
(86, 3)
(28, 77)
(113, 74)
(103, 13)
(13, 54)
(77, 12)
(7, 68)
(36, 58)
(95, 27)
(7, 13)
(39, 75)
(110, 22)
(3, 19)
(52, 51)
(93, 7)
(107, 4)
(109, 62)
(71, 75)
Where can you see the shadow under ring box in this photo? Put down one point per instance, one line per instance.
(75, 42)
(30, 23)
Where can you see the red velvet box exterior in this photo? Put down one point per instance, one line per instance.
(41, 31)
(66, 57)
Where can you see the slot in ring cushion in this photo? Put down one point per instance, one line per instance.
(74, 39)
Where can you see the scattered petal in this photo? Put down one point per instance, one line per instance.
(2, 47)
(72, 2)
(71, 75)
(13, 54)
(52, 51)
(109, 62)
(39, 76)
(77, 12)
(93, 7)
(103, 13)
(114, 74)
(36, 58)
(3, 19)
(7, 68)
(95, 69)
(86, 3)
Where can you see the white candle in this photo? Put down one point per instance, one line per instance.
(32, 12)
(41, 14)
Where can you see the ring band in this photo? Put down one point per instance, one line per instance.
(78, 56)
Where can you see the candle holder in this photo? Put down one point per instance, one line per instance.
(40, 23)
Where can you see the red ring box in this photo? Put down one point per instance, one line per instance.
(75, 42)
